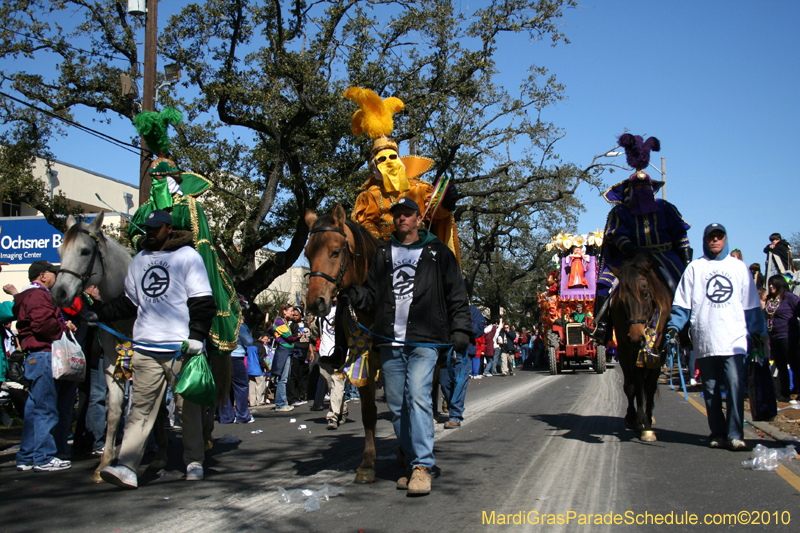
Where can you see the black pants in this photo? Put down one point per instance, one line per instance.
(297, 386)
(787, 351)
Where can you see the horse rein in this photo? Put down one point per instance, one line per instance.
(95, 251)
(342, 267)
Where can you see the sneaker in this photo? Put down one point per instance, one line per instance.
(717, 443)
(249, 421)
(693, 382)
(317, 408)
(333, 424)
(194, 472)
(284, 409)
(24, 468)
(53, 465)
(737, 445)
(99, 451)
(120, 476)
(298, 403)
(420, 482)
(452, 424)
(487, 375)
(478, 376)
(327, 397)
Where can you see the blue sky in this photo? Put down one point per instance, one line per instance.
(717, 82)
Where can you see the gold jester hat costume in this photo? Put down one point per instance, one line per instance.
(177, 193)
(394, 177)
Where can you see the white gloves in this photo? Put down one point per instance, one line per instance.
(193, 347)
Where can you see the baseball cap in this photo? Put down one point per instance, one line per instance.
(714, 227)
(406, 202)
(37, 267)
(158, 218)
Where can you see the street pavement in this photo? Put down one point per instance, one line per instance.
(531, 445)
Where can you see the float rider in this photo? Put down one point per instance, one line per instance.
(176, 192)
(639, 222)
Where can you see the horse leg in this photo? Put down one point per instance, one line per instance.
(650, 388)
(160, 460)
(114, 399)
(369, 415)
(629, 389)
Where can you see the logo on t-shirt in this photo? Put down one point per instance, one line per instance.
(403, 280)
(719, 289)
(155, 281)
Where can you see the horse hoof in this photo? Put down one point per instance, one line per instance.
(209, 445)
(629, 424)
(653, 420)
(96, 478)
(648, 436)
(367, 475)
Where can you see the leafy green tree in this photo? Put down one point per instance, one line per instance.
(266, 121)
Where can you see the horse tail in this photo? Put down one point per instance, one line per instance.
(222, 370)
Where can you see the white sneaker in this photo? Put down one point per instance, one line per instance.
(478, 377)
(53, 465)
(298, 403)
(194, 472)
(120, 476)
(284, 409)
(692, 382)
(24, 468)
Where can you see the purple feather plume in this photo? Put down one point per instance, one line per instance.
(637, 150)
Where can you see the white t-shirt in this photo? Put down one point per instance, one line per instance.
(327, 335)
(404, 272)
(717, 293)
(160, 284)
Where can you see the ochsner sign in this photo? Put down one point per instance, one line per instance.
(24, 240)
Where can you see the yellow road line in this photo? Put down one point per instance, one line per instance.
(790, 477)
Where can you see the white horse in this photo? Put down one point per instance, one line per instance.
(89, 258)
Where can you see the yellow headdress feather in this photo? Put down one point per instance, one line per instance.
(375, 114)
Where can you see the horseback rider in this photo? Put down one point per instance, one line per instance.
(639, 222)
(394, 177)
(176, 192)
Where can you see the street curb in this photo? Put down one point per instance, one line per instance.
(769, 430)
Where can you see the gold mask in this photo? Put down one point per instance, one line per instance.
(392, 170)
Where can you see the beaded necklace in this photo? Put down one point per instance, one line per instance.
(60, 312)
(770, 308)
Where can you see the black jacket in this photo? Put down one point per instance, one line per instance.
(781, 250)
(439, 306)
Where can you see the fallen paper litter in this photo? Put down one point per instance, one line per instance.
(793, 406)
(769, 458)
(229, 439)
(166, 497)
(256, 432)
(311, 498)
(292, 420)
(543, 498)
(301, 426)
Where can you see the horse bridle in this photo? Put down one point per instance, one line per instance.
(95, 251)
(342, 267)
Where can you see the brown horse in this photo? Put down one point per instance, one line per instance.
(642, 302)
(339, 252)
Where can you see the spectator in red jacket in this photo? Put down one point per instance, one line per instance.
(39, 323)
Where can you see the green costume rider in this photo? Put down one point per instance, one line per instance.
(177, 193)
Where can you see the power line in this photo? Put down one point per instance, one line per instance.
(53, 44)
(102, 136)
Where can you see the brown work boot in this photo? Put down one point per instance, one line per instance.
(452, 424)
(402, 483)
(420, 482)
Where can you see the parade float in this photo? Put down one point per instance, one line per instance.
(567, 303)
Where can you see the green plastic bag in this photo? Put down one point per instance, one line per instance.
(196, 383)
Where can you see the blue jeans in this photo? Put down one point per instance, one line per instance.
(96, 410)
(280, 389)
(523, 355)
(498, 353)
(38, 446)
(727, 370)
(476, 365)
(240, 388)
(454, 405)
(408, 379)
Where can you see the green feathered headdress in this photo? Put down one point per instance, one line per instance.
(153, 127)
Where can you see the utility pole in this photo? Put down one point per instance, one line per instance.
(148, 92)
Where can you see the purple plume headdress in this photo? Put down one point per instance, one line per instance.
(637, 150)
